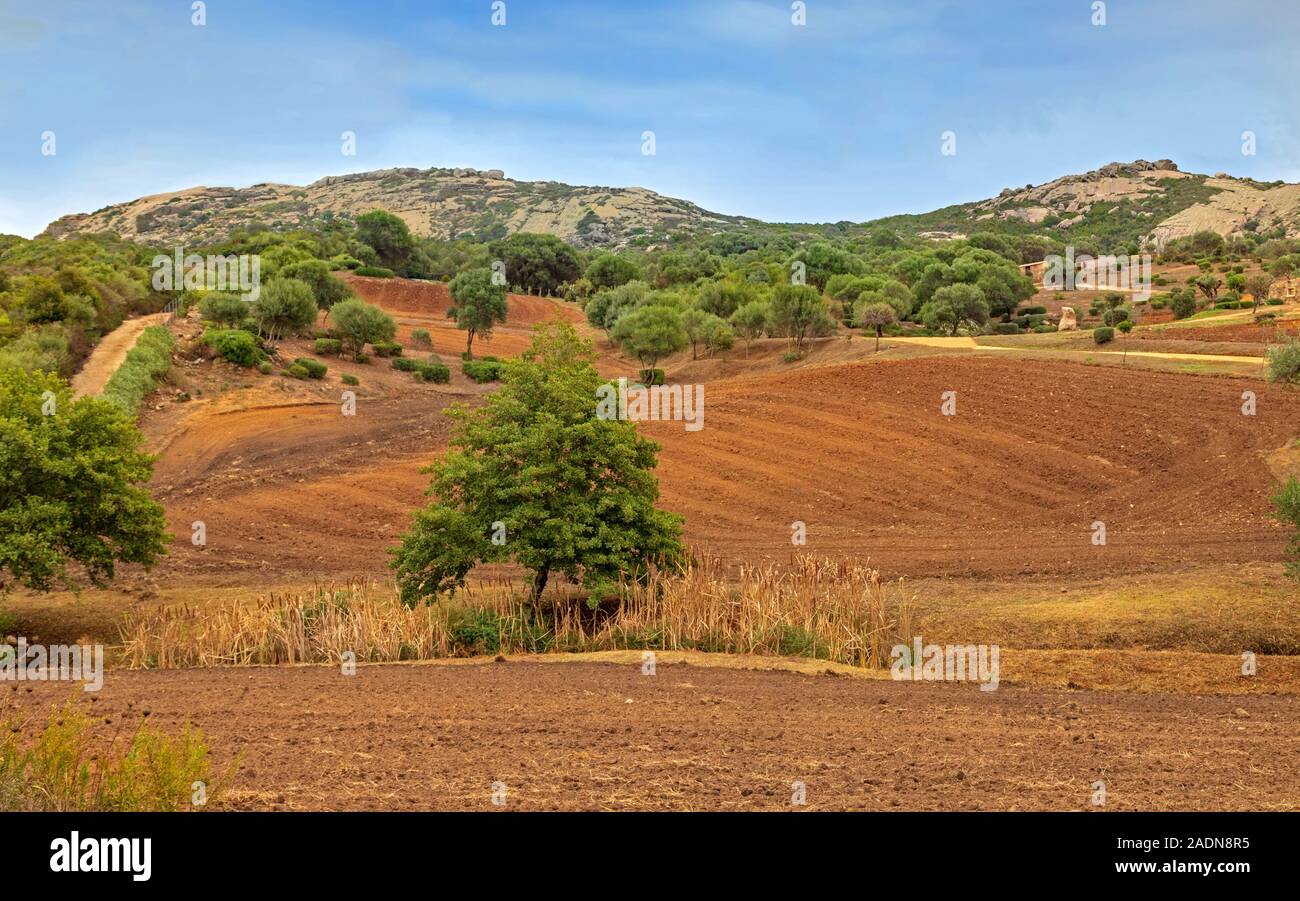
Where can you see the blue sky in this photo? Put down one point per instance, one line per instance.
(837, 119)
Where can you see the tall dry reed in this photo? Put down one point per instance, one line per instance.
(826, 609)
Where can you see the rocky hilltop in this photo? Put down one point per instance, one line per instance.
(444, 203)
(1116, 205)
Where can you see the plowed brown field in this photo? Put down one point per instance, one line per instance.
(585, 736)
(860, 453)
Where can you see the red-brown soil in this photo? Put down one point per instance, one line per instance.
(1246, 332)
(584, 736)
(859, 452)
(1039, 451)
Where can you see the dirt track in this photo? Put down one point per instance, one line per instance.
(109, 353)
(599, 736)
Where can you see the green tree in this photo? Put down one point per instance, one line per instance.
(1287, 502)
(875, 315)
(609, 270)
(605, 307)
(358, 323)
(225, 310)
(284, 307)
(537, 264)
(476, 305)
(750, 321)
(388, 235)
(1257, 286)
(650, 333)
(952, 305)
(71, 477)
(325, 287)
(799, 313)
(1183, 302)
(570, 492)
(701, 328)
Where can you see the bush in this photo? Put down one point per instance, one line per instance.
(295, 371)
(790, 356)
(265, 367)
(239, 347)
(1007, 328)
(387, 349)
(145, 363)
(652, 376)
(1284, 362)
(358, 323)
(1103, 335)
(363, 359)
(315, 368)
(375, 271)
(66, 769)
(1032, 311)
(432, 372)
(1287, 502)
(349, 379)
(330, 346)
(482, 370)
(420, 338)
(226, 310)
(405, 364)
(285, 307)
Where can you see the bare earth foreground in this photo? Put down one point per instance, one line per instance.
(590, 736)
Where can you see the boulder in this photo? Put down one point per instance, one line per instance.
(1068, 322)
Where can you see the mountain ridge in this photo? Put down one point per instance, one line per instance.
(1143, 202)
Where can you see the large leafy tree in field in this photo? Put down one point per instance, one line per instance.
(325, 288)
(650, 333)
(539, 264)
(284, 307)
(70, 486)
(952, 305)
(358, 323)
(564, 491)
(476, 305)
(799, 313)
(388, 235)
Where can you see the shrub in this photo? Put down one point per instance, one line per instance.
(225, 310)
(286, 306)
(791, 356)
(420, 338)
(1007, 328)
(374, 271)
(387, 349)
(482, 370)
(315, 369)
(1287, 502)
(65, 768)
(265, 367)
(328, 346)
(349, 379)
(239, 347)
(432, 372)
(652, 376)
(358, 323)
(1103, 335)
(405, 364)
(325, 288)
(1284, 362)
(1032, 311)
(145, 363)
(363, 359)
(295, 371)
